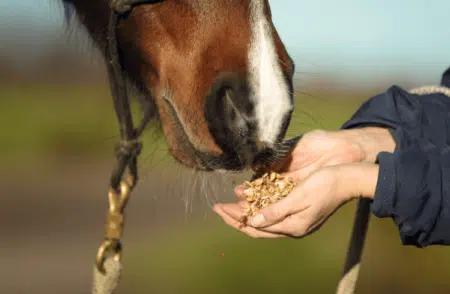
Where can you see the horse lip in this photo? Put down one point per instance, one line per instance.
(188, 147)
(269, 156)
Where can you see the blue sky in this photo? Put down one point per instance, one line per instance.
(354, 39)
(367, 37)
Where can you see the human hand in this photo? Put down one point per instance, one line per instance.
(318, 149)
(308, 206)
(331, 167)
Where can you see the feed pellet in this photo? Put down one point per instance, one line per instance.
(268, 189)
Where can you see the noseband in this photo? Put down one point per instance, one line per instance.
(129, 147)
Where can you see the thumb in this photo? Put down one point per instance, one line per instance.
(277, 212)
(272, 214)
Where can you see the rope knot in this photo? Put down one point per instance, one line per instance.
(128, 148)
(121, 7)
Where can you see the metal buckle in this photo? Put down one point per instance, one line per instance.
(114, 225)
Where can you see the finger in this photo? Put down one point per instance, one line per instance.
(234, 210)
(239, 191)
(276, 212)
(301, 174)
(293, 225)
(283, 164)
(249, 231)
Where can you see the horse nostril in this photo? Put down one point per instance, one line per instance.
(231, 91)
(229, 111)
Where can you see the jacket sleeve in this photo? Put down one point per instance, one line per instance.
(414, 181)
(414, 190)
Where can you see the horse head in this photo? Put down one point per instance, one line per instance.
(216, 70)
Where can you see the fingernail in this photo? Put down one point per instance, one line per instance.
(258, 220)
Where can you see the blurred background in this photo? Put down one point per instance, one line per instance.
(58, 130)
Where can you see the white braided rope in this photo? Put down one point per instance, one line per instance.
(107, 283)
(434, 89)
(348, 281)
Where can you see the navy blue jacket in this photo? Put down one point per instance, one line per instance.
(414, 181)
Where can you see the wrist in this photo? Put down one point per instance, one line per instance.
(371, 141)
(357, 180)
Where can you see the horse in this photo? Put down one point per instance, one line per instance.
(219, 78)
(214, 72)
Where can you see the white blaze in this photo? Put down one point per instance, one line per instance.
(269, 88)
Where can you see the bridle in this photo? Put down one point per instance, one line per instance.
(129, 147)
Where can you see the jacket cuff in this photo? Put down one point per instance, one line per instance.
(384, 200)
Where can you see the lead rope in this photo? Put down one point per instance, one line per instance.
(108, 266)
(349, 278)
(107, 283)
